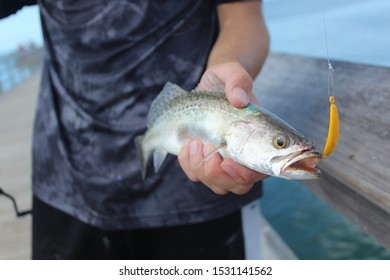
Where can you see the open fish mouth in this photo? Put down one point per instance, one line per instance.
(303, 162)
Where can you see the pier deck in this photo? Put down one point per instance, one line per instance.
(17, 108)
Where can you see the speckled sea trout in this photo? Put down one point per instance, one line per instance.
(251, 136)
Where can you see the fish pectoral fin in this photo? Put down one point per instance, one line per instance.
(210, 154)
(158, 158)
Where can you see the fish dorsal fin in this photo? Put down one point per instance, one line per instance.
(167, 94)
(211, 84)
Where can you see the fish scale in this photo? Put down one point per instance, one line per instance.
(251, 136)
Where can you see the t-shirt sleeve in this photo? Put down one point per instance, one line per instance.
(8, 7)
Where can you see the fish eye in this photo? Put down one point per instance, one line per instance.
(280, 142)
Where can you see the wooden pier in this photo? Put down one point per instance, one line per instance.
(355, 177)
(17, 108)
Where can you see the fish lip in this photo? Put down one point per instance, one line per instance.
(304, 160)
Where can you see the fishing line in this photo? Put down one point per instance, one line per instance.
(334, 126)
(330, 67)
(18, 213)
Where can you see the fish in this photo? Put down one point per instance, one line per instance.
(252, 136)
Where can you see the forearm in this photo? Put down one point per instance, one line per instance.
(243, 36)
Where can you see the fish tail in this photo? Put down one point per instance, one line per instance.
(142, 156)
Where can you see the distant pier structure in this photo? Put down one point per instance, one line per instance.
(19, 65)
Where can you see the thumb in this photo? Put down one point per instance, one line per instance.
(238, 83)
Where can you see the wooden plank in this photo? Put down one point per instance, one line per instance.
(16, 118)
(355, 177)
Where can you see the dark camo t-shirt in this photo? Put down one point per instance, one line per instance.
(105, 63)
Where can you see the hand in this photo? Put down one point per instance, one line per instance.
(238, 83)
(222, 176)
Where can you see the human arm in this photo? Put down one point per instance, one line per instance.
(241, 48)
(236, 58)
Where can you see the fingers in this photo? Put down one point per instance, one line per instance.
(238, 87)
(240, 173)
(184, 160)
(191, 161)
(238, 83)
(221, 176)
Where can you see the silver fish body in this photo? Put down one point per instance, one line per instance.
(251, 136)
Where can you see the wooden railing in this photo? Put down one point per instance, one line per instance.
(356, 177)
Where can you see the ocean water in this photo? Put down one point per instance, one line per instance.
(356, 31)
(313, 229)
(16, 67)
(9, 74)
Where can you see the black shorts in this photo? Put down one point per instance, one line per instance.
(57, 235)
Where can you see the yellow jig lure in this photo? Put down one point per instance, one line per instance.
(333, 130)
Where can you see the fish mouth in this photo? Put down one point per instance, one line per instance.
(302, 163)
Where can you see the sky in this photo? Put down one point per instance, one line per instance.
(22, 27)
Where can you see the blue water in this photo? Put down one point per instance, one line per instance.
(7, 64)
(313, 229)
(357, 31)
(14, 70)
